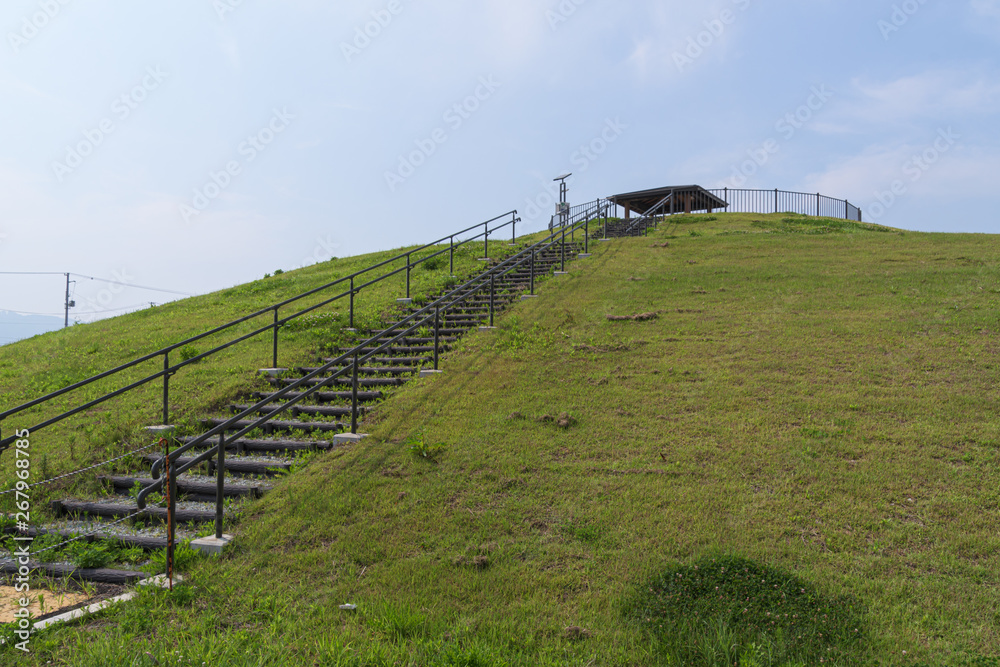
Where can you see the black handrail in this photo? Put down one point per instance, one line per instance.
(415, 321)
(275, 326)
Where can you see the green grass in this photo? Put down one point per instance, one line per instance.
(32, 368)
(817, 407)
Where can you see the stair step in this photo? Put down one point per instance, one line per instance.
(237, 465)
(56, 571)
(188, 487)
(275, 445)
(343, 381)
(325, 396)
(369, 370)
(123, 540)
(392, 361)
(309, 410)
(120, 510)
(276, 425)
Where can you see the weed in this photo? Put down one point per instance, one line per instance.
(420, 449)
(189, 352)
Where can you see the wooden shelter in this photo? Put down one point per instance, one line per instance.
(683, 199)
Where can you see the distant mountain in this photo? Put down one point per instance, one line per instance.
(14, 327)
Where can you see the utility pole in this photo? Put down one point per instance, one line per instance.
(69, 304)
(562, 209)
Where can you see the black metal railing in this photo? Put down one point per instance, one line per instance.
(353, 284)
(349, 362)
(741, 200)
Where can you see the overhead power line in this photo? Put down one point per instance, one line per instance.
(103, 280)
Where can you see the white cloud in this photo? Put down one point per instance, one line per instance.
(943, 94)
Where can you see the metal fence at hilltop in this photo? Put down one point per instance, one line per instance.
(783, 201)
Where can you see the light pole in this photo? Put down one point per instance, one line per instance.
(562, 209)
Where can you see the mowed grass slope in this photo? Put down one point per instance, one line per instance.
(32, 368)
(813, 397)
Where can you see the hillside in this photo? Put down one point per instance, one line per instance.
(812, 395)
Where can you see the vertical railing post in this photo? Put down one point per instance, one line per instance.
(351, 326)
(818, 197)
(171, 485)
(586, 236)
(564, 249)
(166, 388)
(220, 484)
(492, 293)
(776, 200)
(275, 359)
(486, 254)
(407, 275)
(513, 229)
(452, 256)
(532, 273)
(354, 396)
(847, 210)
(437, 327)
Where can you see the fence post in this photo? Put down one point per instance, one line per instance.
(351, 326)
(847, 210)
(513, 229)
(407, 275)
(437, 324)
(486, 253)
(166, 388)
(818, 197)
(354, 396)
(586, 236)
(452, 256)
(171, 508)
(532, 273)
(776, 200)
(220, 484)
(275, 359)
(492, 293)
(564, 249)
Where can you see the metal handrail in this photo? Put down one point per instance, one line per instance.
(413, 322)
(170, 370)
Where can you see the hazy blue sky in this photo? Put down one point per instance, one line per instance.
(196, 144)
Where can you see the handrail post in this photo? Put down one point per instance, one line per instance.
(586, 236)
(564, 249)
(354, 396)
(776, 200)
(847, 209)
(171, 511)
(532, 273)
(351, 326)
(452, 256)
(166, 388)
(513, 228)
(492, 293)
(220, 484)
(408, 275)
(437, 325)
(275, 359)
(486, 253)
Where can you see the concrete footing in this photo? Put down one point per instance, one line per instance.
(163, 431)
(429, 373)
(349, 438)
(487, 328)
(273, 372)
(405, 302)
(525, 297)
(561, 273)
(583, 255)
(212, 545)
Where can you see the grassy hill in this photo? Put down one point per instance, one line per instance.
(811, 402)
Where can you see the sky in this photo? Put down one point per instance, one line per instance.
(193, 145)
